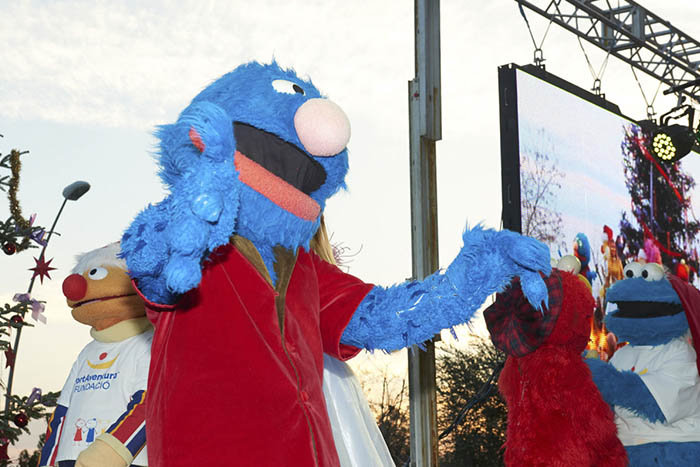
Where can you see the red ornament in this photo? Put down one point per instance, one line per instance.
(21, 419)
(17, 320)
(9, 248)
(3, 452)
(42, 268)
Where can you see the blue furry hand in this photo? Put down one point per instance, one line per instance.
(166, 244)
(490, 259)
(625, 389)
(413, 312)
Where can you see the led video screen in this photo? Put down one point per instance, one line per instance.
(579, 176)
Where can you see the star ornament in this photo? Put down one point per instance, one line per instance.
(9, 358)
(42, 268)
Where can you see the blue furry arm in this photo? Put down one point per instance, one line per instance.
(625, 389)
(166, 244)
(413, 312)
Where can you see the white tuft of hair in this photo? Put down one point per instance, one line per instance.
(105, 256)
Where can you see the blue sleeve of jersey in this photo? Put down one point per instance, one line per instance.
(53, 436)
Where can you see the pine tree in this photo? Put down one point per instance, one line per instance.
(18, 234)
(660, 202)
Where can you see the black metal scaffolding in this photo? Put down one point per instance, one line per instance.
(634, 35)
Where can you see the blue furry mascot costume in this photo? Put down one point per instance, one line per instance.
(243, 310)
(582, 251)
(652, 382)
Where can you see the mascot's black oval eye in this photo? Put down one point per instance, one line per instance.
(653, 272)
(98, 273)
(287, 87)
(632, 270)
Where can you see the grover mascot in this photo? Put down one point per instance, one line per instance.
(582, 252)
(653, 381)
(243, 310)
(556, 415)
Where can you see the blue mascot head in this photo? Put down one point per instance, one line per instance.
(269, 144)
(257, 153)
(649, 311)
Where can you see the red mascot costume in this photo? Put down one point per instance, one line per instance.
(556, 416)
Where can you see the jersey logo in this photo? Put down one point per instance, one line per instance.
(103, 365)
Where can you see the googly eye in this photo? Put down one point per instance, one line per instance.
(653, 272)
(287, 87)
(97, 274)
(632, 270)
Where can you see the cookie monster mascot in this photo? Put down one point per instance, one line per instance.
(243, 310)
(652, 382)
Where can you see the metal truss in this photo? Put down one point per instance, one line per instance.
(632, 34)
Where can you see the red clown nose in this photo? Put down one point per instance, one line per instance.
(74, 287)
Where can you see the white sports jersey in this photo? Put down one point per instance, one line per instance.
(99, 389)
(670, 373)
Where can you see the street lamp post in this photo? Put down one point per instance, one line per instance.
(72, 192)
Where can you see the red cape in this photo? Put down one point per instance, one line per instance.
(690, 299)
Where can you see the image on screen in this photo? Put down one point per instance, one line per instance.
(587, 184)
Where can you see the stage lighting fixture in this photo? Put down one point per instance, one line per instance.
(669, 143)
(672, 142)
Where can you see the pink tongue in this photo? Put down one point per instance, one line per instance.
(275, 189)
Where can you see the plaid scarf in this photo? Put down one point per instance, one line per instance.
(515, 326)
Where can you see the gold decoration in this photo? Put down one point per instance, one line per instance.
(15, 209)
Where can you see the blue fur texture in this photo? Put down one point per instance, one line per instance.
(165, 245)
(637, 289)
(626, 389)
(664, 455)
(583, 253)
(648, 331)
(413, 312)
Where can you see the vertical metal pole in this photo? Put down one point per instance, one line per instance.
(425, 129)
(10, 377)
(651, 198)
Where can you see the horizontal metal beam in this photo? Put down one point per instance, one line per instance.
(632, 34)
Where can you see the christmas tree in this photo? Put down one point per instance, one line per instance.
(18, 234)
(660, 201)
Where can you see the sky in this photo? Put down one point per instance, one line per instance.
(84, 84)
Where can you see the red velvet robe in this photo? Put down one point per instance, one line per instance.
(225, 388)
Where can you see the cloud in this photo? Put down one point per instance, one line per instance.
(124, 65)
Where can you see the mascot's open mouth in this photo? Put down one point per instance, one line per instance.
(646, 309)
(278, 170)
(101, 299)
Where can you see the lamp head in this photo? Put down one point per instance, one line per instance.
(75, 190)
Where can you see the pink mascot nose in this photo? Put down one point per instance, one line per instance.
(74, 287)
(323, 127)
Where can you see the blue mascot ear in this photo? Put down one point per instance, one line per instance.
(209, 129)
